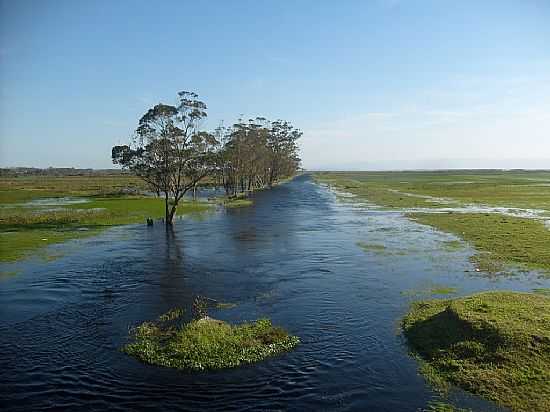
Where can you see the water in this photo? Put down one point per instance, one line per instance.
(292, 257)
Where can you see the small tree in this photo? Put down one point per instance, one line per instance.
(169, 152)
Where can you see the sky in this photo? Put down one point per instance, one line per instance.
(381, 84)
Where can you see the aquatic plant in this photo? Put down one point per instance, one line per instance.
(494, 344)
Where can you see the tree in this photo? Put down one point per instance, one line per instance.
(284, 160)
(256, 154)
(169, 152)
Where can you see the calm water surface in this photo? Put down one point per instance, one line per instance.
(292, 257)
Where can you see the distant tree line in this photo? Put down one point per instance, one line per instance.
(171, 153)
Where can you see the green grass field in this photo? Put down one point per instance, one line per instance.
(494, 344)
(26, 228)
(501, 237)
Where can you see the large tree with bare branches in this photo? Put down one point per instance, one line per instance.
(169, 151)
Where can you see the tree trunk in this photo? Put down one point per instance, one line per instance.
(171, 215)
(166, 211)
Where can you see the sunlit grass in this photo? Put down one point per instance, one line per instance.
(208, 343)
(500, 239)
(25, 230)
(494, 344)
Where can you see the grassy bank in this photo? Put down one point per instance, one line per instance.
(25, 230)
(494, 344)
(499, 239)
(522, 189)
(27, 225)
(207, 343)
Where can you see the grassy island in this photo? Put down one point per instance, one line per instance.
(494, 344)
(207, 343)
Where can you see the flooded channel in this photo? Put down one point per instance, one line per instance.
(300, 256)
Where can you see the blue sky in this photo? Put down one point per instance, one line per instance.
(373, 84)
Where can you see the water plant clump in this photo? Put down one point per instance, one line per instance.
(494, 344)
(208, 343)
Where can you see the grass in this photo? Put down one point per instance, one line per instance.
(236, 203)
(430, 291)
(453, 245)
(443, 290)
(516, 188)
(493, 344)
(26, 188)
(501, 240)
(542, 291)
(371, 247)
(28, 228)
(440, 406)
(207, 343)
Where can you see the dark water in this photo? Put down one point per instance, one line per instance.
(292, 257)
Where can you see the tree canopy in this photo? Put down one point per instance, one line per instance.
(169, 151)
(172, 154)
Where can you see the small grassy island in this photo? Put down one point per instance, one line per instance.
(494, 344)
(207, 343)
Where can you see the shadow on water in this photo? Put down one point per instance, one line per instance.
(293, 256)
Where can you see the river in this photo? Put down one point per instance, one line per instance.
(292, 257)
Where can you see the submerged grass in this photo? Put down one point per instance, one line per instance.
(515, 188)
(238, 202)
(27, 188)
(500, 240)
(371, 247)
(208, 343)
(25, 230)
(440, 406)
(494, 344)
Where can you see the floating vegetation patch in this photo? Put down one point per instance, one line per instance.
(493, 344)
(371, 247)
(430, 291)
(225, 305)
(442, 290)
